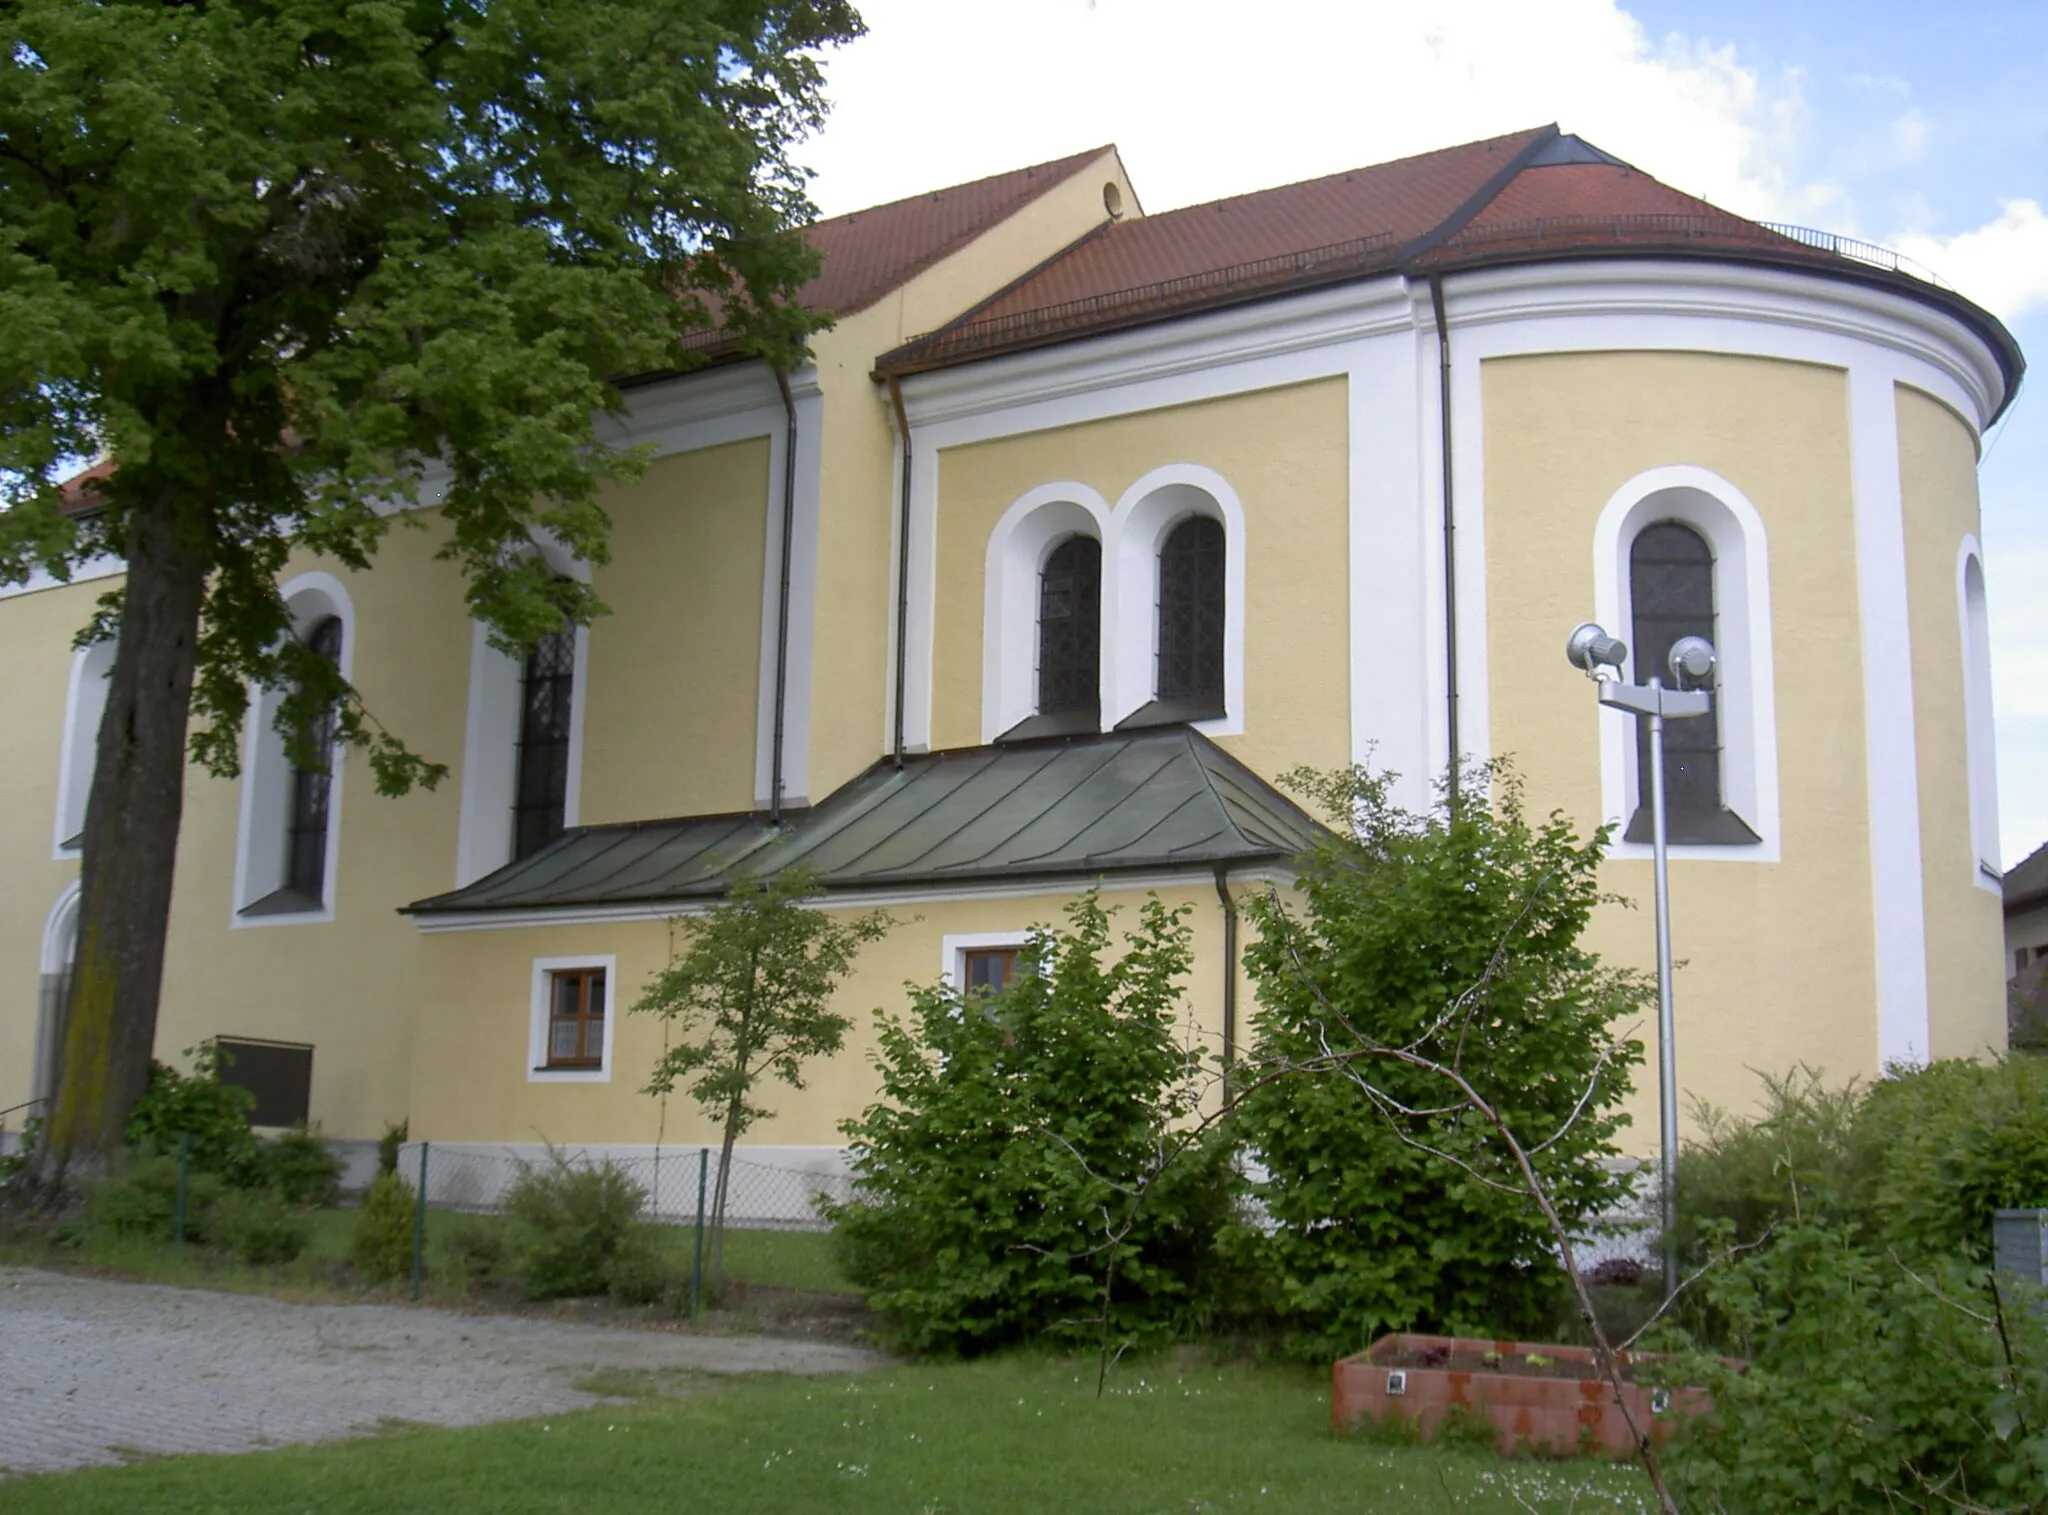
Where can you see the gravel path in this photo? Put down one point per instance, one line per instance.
(96, 1371)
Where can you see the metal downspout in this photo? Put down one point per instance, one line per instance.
(1229, 977)
(1443, 351)
(902, 568)
(775, 762)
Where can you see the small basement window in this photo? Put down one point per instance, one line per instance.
(279, 1074)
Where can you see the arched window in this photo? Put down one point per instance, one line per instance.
(1191, 619)
(545, 723)
(1978, 734)
(1070, 630)
(1671, 595)
(91, 672)
(305, 866)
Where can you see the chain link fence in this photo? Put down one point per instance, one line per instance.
(680, 1182)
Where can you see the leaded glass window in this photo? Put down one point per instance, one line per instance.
(1191, 614)
(305, 838)
(540, 802)
(1070, 628)
(1671, 594)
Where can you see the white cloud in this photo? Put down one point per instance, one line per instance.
(2002, 265)
(1209, 99)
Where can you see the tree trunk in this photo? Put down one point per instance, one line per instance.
(130, 854)
(732, 1134)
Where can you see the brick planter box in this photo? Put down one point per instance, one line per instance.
(1552, 1407)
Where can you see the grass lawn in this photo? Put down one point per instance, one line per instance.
(1011, 1435)
(781, 1259)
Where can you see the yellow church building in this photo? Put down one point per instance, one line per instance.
(1078, 529)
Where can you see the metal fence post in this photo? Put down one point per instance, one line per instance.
(419, 1223)
(697, 1266)
(184, 1163)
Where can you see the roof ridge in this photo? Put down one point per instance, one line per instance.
(1470, 208)
(1356, 168)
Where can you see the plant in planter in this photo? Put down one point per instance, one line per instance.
(1556, 1400)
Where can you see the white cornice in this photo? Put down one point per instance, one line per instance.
(1699, 290)
(1239, 334)
(987, 397)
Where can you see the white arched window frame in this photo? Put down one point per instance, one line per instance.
(1146, 515)
(1978, 729)
(60, 947)
(267, 770)
(1023, 539)
(1745, 686)
(85, 705)
(1132, 533)
(490, 741)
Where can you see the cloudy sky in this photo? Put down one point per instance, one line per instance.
(1923, 127)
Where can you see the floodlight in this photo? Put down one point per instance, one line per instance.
(1589, 648)
(1692, 661)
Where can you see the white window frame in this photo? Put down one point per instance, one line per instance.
(544, 970)
(1979, 727)
(1131, 533)
(490, 741)
(1023, 538)
(85, 706)
(955, 946)
(1744, 679)
(267, 771)
(1145, 516)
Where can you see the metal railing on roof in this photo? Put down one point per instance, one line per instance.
(1860, 252)
(1333, 259)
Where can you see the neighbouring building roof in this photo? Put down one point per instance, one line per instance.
(1086, 807)
(2026, 882)
(1531, 196)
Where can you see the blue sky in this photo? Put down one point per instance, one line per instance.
(1921, 127)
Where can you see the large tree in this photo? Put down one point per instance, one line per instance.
(282, 265)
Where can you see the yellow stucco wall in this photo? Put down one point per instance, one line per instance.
(346, 986)
(851, 674)
(35, 673)
(1780, 966)
(1286, 454)
(674, 670)
(470, 1069)
(1965, 923)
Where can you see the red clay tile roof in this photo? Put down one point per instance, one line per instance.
(870, 252)
(1530, 196)
(1388, 204)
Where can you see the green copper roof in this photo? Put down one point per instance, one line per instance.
(1117, 803)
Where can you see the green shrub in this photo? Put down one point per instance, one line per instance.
(1868, 1387)
(257, 1227)
(1949, 1144)
(394, 1137)
(469, 1250)
(642, 1272)
(197, 1105)
(1015, 1129)
(381, 1248)
(569, 1220)
(140, 1198)
(300, 1168)
(1455, 934)
(1799, 1157)
(1918, 1160)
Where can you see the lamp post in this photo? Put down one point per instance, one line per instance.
(1599, 656)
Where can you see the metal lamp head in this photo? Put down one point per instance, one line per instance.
(1594, 653)
(1692, 662)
